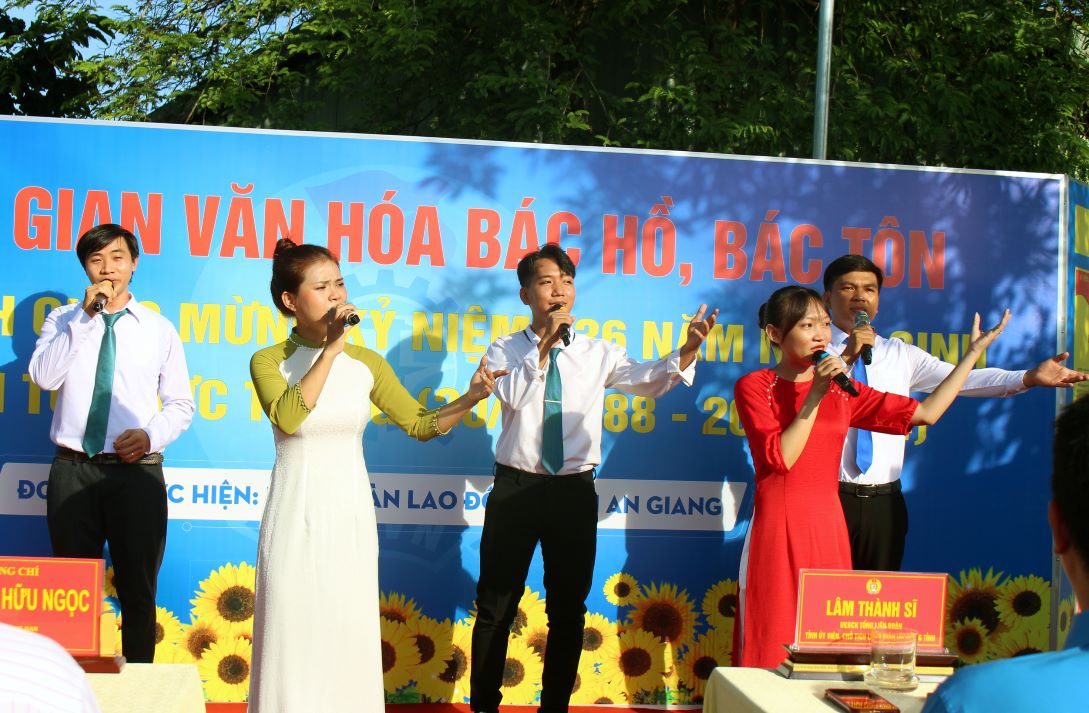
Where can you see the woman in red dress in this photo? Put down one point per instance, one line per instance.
(796, 419)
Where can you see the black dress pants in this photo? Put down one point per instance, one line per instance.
(90, 504)
(877, 526)
(559, 512)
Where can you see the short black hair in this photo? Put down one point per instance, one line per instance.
(100, 236)
(550, 251)
(850, 263)
(1070, 472)
(786, 307)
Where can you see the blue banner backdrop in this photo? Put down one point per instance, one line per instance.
(428, 232)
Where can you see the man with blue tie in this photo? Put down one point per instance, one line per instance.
(111, 361)
(869, 487)
(546, 457)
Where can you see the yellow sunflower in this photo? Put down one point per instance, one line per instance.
(621, 589)
(199, 636)
(521, 674)
(452, 683)
(968, 640)
(666, 613)
(432, 639)
(535, 635)
(1066, 617)
(226, 598)
(1020, 642)
(396, 607)
(709, 652)
(108, 584)
(597, 635)
(975, 596)
(399, 654)
(600, 691)
(173, 654)
(720, 604)
(640, 658)
(225, 668)
(531, 611)
(168, 631)
(1024, 603)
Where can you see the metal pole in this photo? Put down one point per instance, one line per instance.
(824, 62)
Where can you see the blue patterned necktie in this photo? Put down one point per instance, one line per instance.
(864, 441)
(94, 435)
(552, 437)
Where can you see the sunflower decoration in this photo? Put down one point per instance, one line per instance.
(598, 634)
(168, 631)
(720, 605)
(432, 639)
(975, 596)
(1020, 642)
(531, 611)
(640, 658)
(173, 654)
(666, 613)
(117, 634)
(535, 634)
(521, 674)
(396, 607)
(600, 691)
(108, 584)
(968, 640)
(621, 589)
(199, 636)
(399, 654)
(1024, 603)
(1066, 618)
(708, 653)
(452, 683)
(227, 598)
(225, 668)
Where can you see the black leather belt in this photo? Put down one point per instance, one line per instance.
(105, 458)
(863, 490)
(500, 468)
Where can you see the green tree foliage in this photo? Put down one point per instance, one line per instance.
(42, 71)
(999, 84)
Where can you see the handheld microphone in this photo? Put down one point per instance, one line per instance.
(99, 303)
(351, 320)
(565, 329)
(862, 319)
(841, 379)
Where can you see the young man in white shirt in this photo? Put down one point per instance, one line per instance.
(111, 360)
(545, 458)
(873, 504)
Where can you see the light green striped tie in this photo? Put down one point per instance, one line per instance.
(94, 436)
(552, 438)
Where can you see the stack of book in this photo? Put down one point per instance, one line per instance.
(930, 667)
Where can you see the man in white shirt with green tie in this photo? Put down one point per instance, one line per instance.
(111, 361)
(546, 456)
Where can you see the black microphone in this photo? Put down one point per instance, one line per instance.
(841, 379)
(351, 320)
(99, 303)
(565, 329)
(862, 319)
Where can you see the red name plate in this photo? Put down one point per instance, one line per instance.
(837, 609)
(58, 597)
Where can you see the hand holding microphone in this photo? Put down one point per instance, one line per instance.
(862, 319)
(564, 327)
(841, 379)
(97, 297)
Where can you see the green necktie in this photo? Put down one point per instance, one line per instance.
(552, 439)
(94, 435)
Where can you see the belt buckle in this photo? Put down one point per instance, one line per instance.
(867, 490)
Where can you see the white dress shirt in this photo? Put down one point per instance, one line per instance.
(901, 368)
(149, 366)
(587, 367)
(38, 676)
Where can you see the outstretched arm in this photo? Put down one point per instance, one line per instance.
(935, 405)
(1053, 373)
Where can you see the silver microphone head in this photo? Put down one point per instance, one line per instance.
(862, 318)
